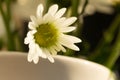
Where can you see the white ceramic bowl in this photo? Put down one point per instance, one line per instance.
(14, 66)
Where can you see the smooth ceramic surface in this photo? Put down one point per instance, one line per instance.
(14, 66)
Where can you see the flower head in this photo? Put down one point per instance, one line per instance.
(47, 34)
(103, 6)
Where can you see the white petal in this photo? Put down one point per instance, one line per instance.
(63, 38)
(39, 52)
(67, 29)
(50, 58)
(56, 48)
(32, 45)
(53, 9)
(29, 57)
(29, 34)
(61, 47)
(59, 22)
(43, 55)
(31, 25)
(26, 40)
(31, 53)
(67, 43)
(29, 38)
(48, 18)
(34, 20)
(69, 21)
(33, 32)
(53, 51)
(36, 59)
(71, 46)
(73, 39)
(34, 53)
(60, 13)
(40, 9)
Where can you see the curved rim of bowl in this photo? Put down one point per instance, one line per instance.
(56, 57)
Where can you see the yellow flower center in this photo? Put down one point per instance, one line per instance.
(46, 35)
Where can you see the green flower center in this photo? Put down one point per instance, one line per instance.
(46, 35)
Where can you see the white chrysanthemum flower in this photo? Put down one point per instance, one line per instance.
(103, 6)
(47, 34)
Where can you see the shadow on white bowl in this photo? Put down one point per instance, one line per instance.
(14, 66)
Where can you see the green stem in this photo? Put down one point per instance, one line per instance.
(7, 18)
(8, 5)
(109, 35)
(48, 3)
(115, 52)
(107, 39)
(75, 4)
(74, 10)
